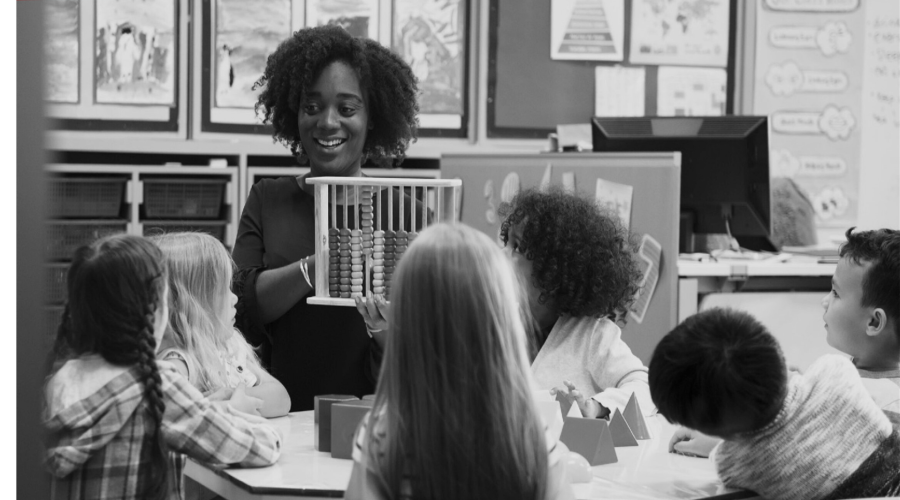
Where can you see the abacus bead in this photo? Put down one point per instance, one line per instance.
(378, 276)
(345, 295)
(345, 274)
(356, 288)
(365, 223)
(345, 253)
(378, 240)
(378, 289)
(379, 233)
(345, 267)
(377, 282)
(356, 281)
(345, 239)
(356, 274)
(355, 294)
(354, 239)
(345, 260)
(333, 231)
(400, 248)
(345, 288)
(334, 294)
(356, 267)
(402, 234)
(378, 255)
(367, 209)
(355, 232)
(345, 232)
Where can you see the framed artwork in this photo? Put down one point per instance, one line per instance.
(118, 66)
(61, 50)
(430, 35)
(233, 43)
(359, 17)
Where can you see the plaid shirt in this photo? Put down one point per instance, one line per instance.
(99, 446)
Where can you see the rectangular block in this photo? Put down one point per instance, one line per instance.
(345, 418)
(322, 418)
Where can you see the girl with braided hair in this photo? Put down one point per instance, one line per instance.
(118, 421)
(337, 102)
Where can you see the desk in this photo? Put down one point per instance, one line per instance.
(696, 278)
(645, 471)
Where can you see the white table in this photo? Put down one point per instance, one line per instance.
(645, 471)
(796, 274)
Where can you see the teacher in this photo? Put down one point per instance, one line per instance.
(336, 101)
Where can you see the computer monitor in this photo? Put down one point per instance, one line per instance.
(724, 170)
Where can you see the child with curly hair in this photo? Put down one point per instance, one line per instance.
(118, 421)
(818, 435)
(337, 102)
(577, 265)
(862, 312)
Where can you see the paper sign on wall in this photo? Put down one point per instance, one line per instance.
(616, 197)
(649, 259)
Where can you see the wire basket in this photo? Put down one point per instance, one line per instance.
(64, 237)
(216, 228)
(52, 317)
(183, 198)
(97, 197)
(55, 282)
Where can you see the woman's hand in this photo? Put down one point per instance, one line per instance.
(374, 310)
(692, 443)
(589, 407)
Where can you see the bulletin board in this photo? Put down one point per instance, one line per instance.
(529, 93)
(491, 179)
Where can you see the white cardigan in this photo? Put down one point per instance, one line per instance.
(590, 353)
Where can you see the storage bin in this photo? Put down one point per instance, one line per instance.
(174, 198)
(55, 282)
(65, 236)
(52, 317)
(95, 197)
(216, 228)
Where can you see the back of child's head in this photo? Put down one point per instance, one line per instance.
(115, 287)
(720, 372)
(200, 272)
(881, 285)
(582, 255)
(455, 384)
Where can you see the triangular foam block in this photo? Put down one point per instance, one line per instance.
(590, 438)
(621, 433)
(564, 403)
(635, 418)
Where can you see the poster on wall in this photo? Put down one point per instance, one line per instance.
(430, 36)
(135, 52)
(61, 50)
(685, 32)
(619, 91)
(587, 30)
(691, 91)
(359, 17)
(809, 71)
(246, 33)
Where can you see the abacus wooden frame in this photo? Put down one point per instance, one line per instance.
(443, 205)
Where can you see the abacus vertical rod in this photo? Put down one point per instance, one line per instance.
(378, 210)
(437, 204)
(412, 209)
(344, 191)
(402, 197)
(390, 208)
(334, 206)
(356, 210)
(424, 206)
(453, 194)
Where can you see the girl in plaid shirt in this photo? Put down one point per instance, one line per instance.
(117, 420)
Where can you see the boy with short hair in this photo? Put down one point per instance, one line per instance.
(862, 312)
(785, 435)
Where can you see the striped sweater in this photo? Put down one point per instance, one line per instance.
(825, 431)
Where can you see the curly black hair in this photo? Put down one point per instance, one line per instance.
(881, 283)
(388, 82)
(582, 255)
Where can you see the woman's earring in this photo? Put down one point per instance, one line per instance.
(300, 156)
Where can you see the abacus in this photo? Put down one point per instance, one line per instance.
(357, 257)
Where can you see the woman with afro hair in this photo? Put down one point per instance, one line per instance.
(336, 102)
(577, 265)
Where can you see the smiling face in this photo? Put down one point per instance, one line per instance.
(333, 121)
(845, 316)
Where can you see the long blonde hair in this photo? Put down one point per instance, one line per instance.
(200, 271)
(455, 391)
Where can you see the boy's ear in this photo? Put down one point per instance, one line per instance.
(877, 322)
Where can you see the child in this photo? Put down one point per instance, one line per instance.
(113, 413)
(810, 436)
(201, 340)
(453, 415)
(578, 269)
(862, 312)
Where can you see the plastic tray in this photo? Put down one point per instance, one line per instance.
(55, 282)
(64, 237)
(183, 198)
(98, 197)
(215, 228)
